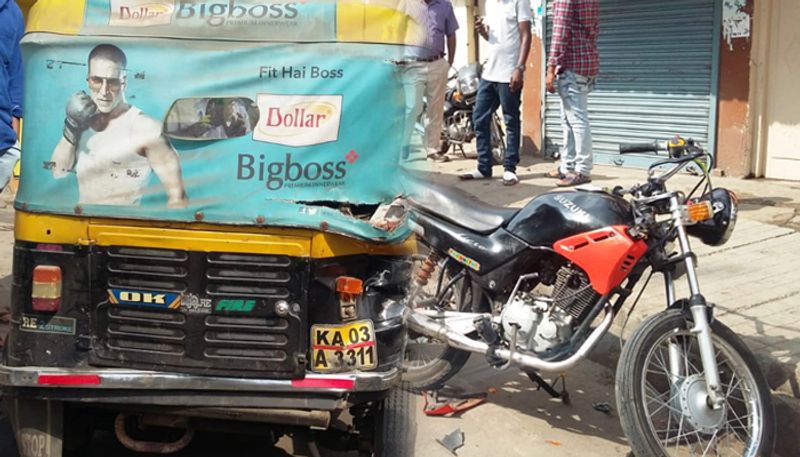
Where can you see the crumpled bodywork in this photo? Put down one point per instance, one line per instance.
(320, 112)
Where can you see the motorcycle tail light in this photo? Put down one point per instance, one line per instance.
(46, 290)
(700, 211)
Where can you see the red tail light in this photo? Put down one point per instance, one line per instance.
(46, 291)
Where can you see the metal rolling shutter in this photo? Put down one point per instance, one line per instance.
(658, 77)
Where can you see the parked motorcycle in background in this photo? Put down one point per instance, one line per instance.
(459, 103)
(537, 288)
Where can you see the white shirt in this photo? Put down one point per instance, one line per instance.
(503, 18)
(109, 168)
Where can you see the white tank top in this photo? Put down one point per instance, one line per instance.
(109, 169)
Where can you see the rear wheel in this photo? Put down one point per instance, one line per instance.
(388, 428)
(429, 363)
(662, 399)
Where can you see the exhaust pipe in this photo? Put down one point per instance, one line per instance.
(429, 327)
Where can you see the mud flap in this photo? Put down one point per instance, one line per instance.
(38, 426)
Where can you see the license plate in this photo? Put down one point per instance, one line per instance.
(343, 347)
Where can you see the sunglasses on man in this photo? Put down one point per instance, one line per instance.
(96, 82)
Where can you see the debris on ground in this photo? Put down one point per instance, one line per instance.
(553, 442)
(437, 404)
(603, 407)
(452, 441)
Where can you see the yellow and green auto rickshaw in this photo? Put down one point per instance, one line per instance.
(196, 245)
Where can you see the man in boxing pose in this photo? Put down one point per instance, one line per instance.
(109, 144)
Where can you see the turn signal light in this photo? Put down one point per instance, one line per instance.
(46, 291)
(457, 96)
(700, 211)
(349, 289)
(349, 285)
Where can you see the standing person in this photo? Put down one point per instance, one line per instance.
(109, 144)
(572, 68)
(12, 27)
(424, 70)
(507, 28)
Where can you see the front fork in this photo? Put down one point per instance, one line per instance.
(700, 317)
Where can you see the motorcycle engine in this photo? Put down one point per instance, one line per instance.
(549, 320)
(458, 126)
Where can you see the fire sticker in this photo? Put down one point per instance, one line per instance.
(461, 258)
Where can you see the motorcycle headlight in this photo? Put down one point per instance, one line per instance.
(718, 228)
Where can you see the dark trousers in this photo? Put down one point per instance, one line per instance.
(492, 95)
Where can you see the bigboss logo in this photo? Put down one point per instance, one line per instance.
(218, 13)
(298, 120)
(287, 172)
(141, 13)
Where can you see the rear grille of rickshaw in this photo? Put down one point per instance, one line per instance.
(189, 330)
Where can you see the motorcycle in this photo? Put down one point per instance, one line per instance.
(459, 102)
(524, 287)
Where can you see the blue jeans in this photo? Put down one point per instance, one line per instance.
(576, 155)
(8, 159)
(490, 96)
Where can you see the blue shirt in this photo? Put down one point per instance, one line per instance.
(12, 26)
(439, 21)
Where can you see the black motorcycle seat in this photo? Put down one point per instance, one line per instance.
(459, 207)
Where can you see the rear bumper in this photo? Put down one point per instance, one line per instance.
(132, 380)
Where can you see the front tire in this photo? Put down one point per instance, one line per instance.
(662, 405)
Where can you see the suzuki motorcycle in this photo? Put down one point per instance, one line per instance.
(538, 287)
(459, 102)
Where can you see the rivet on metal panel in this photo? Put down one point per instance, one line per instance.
(282, 308)
(260, 220)
(78, 209)
(198, 216)
(23, 206)
(323, 226)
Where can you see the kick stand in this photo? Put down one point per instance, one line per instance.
(461, 148)
(541, 384)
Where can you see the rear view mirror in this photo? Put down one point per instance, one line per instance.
(211, 118)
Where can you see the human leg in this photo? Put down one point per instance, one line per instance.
(510, 102)
(413, 77)
(434, 93)
(8, 159)
(486, 102)
(575, 99)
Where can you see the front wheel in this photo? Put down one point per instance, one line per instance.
(662, 399)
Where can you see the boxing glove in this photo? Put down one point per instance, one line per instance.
(80, 109)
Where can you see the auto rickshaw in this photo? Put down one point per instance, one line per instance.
(196, 245)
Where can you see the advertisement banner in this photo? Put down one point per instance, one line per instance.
(286, 134)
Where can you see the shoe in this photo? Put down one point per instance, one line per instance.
(436, 157)
(555, 174)
(474, 174)
(574, 179)
(509, 178)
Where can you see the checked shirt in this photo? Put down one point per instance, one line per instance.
(574, 43)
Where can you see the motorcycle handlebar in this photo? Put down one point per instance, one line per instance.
(630, 148)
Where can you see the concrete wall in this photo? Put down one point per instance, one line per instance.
(733, 97)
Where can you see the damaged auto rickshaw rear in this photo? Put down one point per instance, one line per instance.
(196, 245)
